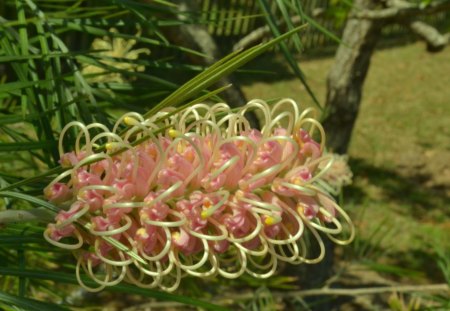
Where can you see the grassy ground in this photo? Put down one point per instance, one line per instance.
(400, 154)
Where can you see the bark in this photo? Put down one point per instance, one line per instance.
(346, 77)
(436, 41)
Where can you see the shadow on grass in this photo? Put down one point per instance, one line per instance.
(403, 190)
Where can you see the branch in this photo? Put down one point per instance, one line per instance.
(260, 33)
(401, 9)
(434, 39)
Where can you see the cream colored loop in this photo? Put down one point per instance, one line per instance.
(164, 251)
(252, 235)
(242, 259)
(98, 253)
(64, 245)
(174, 286)
(195, 266)
(321, 227)
(147, 270)
(114, 231)
(258, 253)
(109, 269)
(222, 229)
(272, 264)
(139, 282)
(169, 224)
(292, 238)
(73, 218)
(281, 254)
(319, 242)
(350, 225)
(80, 281)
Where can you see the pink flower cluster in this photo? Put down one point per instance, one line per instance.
(209, 195)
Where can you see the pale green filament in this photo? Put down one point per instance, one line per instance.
(122, 120)
(272, 264)
(281, 255)
(322, 171)
(349, 223)
(77, 147)
(73, 218)
(124, 205)
(303, 190)
(295, 113)
(315, 124)
(109, 274)
(258, 252)
(80, 262)
(123, 262)
(130, 278)
(164, 251)
(242, 259)
(75, 246)
(319, 242)
(262, 105)
(221, 228)
(322, 228)
(182, 220)
(111, 232)
(210, 210)
(252, 235)
(165, 194)
(197, 265)
(277, 120)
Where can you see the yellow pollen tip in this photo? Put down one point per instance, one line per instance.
(240, 194)
(204, 214)
(297, 181)
(130, 121)
(109, 146)
(141, 232)
(300, 209)
(269, 221)
(175, 235)
(174, 133)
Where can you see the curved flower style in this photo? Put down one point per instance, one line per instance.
(195, 192)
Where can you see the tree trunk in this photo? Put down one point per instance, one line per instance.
(346, 77)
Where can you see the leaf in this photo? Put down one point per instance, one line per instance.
(29, 198)
(31, 145)
(270, 18)
(218, 70)
(29, 304)
(121, 288)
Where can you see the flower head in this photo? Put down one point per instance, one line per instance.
(207, 196)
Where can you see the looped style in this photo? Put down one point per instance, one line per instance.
(195, 192)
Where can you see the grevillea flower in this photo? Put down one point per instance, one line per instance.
(195, 192)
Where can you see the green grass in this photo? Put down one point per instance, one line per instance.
(400, 149)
